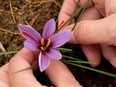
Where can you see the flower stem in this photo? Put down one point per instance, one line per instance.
(64, 49)
(75, 10)
(83, 9)
(11, 52)
(95, 70)
(73, 15)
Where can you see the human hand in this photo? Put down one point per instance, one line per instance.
(95, 36)
(58, 73)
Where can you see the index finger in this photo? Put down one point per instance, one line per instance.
(68, 9)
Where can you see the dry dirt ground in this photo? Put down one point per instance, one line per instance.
(36, 13)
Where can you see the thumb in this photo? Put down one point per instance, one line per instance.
(96, 31)
(22, 60)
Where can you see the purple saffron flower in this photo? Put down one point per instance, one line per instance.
(46, 44)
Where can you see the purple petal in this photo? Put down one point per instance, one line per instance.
(49, 28)
(31, 45)
(44, 62)
(60, 38)
(29, 33)
(54, 54)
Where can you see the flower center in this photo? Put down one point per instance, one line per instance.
(44, 44)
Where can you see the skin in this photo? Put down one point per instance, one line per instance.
(95, 36)
(96, 30)
(25, 58)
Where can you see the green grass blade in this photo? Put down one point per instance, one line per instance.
(69, 57)
(77, 4)
(31, 67)
(76, 61)
(65, 49)
(71, 17)
(84, 7)
(95, 70)
(11, 52)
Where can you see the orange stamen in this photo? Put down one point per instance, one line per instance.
(48, 42)
(42, 42)
(42, 48)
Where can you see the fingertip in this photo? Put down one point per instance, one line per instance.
(109, 52)
(72, 38)
(81, 33)
(92, 53)
(113, 62)
(64, 77)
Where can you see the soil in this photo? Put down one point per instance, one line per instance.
(36, 13)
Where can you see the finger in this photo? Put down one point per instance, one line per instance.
(96, 31)
(111, 7)
(109, 53)
(89, 14)
(68, 9)
(92, 53)
(60, 75)
(4, 78)
(90, 4)
(21, 61)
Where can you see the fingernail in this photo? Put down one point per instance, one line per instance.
(93, 64)
(113, 63)
(81, 86)
(72, 39)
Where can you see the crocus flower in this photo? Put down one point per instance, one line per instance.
(45, 44)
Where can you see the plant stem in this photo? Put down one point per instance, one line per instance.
(11, 52)
(95, 70)
(73, 15)
(84, 7)
(75, 9)
(65, 49)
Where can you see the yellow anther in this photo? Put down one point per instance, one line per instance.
(48, 42)
(42, 41)
(42, 48)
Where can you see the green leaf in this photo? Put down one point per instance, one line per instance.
(69, 57)
(64, 49)
(77, 4)
(73, 15)
(11, 52)
(31, 67)
(95, 70)
(76, 61)
(83, 9)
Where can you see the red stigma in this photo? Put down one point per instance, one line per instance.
(56, 28)
(60, 24)
(30, 37)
